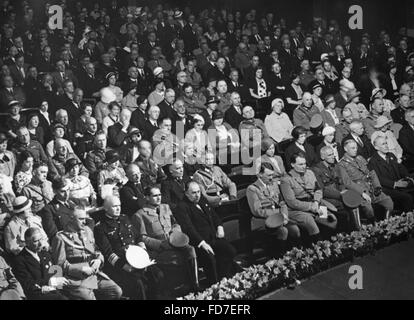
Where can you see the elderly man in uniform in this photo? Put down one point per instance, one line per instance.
(303, 114)
(342, 129)
(39, 190)
(24, 143)
(165, 143)
(252, 130)
(114, 233)
(377, 109)
(356, 176)
(152, 173)
(33, 268)
(205, 230)
(158, 225)
(304, 197)
(329, 179)
(95, 159)
(214, 182)
(22, 219)
(265, 203)
(75, 251)
(173, 188)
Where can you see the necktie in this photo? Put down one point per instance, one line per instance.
(23, 73)
(360, 141)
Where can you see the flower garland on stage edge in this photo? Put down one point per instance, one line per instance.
(296, 264)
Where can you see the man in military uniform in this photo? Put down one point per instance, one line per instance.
(356, 176)
(152, 173)
(329, 179)
(95, 159)
(24, 143)
(10, 288)
(39, 190)
(74, 250)
(114, 233)
(265, 201)
(60, 206)
(303, 114)
(377, 109)
(214, 182)
(85, 143)
(304, 197)
(252, 130)
(157, 224)
(342, 129)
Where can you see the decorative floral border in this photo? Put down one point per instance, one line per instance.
(296, 264)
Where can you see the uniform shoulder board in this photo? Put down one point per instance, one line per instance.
(98, 223)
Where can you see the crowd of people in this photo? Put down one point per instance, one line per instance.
(122, 130)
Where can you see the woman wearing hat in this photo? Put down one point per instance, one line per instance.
(380, 93)
(269, 155)
(222, 135)
(198, 137)
(7, 158)
(278, 124)
(25, 173)
(299, 144)
(81, 191)
(36, 132)
(112, 117)
(81, 125)
(130, 99)
(111, 79)
(15, 119)
(316, 96)
(58, 133)
(357, 108)
(294, 93)
(328, 134)
(101, 108)
(22, 219)
(382, 126)
(158, 95)
(112, 171)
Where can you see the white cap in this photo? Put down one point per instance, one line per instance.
(157, 71)
(328, 130)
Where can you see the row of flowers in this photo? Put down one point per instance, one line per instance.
(297, 264)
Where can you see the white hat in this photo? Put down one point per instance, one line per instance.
(21, 204)
(197, 117)
(157, 71)
(138, 258)
(107, 96)
(324, 56)
(328, 130)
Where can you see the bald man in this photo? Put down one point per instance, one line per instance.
(113, 234)
(205, 230)
(303, 114)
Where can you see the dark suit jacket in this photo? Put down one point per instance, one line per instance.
(173, 191)
(406, 140)
(66, 103)
(31, 273)
(233, 118)
(387, 172)
(132, 198)
(138, 119)
(198, 224)
(367, 150)
(149, 130)
(310, 155)
(166, 110)
(51, 215)
(116, 137)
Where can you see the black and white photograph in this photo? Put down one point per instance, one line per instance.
(230, 151)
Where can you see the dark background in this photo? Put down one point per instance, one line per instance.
(389, 15)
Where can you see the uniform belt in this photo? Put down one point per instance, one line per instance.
(80, 259)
